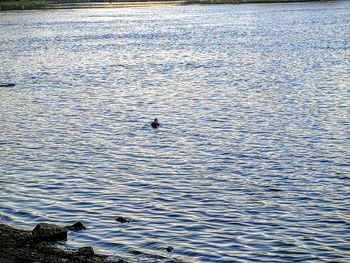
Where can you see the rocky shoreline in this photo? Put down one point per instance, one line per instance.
(40, 246)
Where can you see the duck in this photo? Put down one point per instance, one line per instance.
(155, 124)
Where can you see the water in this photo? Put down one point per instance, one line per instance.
(252, 159)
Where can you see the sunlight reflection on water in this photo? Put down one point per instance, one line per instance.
(251, 162)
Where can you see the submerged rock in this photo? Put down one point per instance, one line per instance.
(86, 251)
(122, 219)
(7, 85)
(49, 232)
(169, 248)
(76, 227)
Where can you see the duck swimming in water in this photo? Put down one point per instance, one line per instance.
(155, 124)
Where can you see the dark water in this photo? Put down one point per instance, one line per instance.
(252, 159)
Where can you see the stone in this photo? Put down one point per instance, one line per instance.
(169, 248)
(3, 85)
(122, 219)
(76, 227)
(86, 251)
(49, 232)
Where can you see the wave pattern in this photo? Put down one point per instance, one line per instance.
(250, 164)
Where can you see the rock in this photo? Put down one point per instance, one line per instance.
(49, 232)
(18, 246)
(169, 248)
(7, 85)
(101, 256)
(86, 251)
(76, 227)
(122, 219)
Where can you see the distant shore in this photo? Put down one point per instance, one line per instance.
(18, 245)
(78, 4)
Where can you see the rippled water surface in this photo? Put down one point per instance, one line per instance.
(252, 159)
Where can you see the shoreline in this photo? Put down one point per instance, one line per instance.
(9, 5)
(17, 245)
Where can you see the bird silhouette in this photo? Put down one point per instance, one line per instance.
(155, 124)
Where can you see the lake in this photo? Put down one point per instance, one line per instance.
(251, 162)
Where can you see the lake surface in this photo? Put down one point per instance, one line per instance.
(251, 162)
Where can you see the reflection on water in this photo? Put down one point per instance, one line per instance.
(250, 163)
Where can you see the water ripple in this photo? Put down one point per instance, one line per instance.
(250, 164)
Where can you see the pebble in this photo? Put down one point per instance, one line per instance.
(122, 219)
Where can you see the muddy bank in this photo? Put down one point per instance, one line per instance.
(18, 246)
